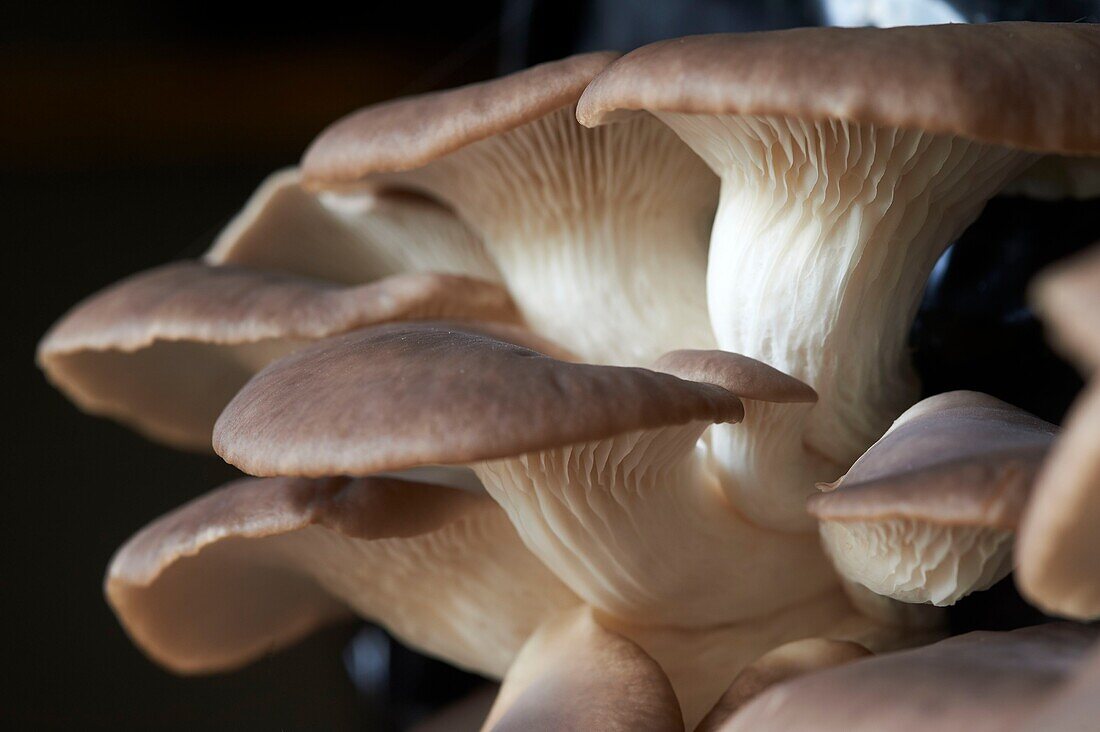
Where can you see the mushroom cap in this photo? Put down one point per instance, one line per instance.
(1067, 296)
(188, 335)
(746, 377)
(257, 564)
(411, 132)
(1059, 543)
(389, 398)
(1076, 706)
(928, 512)
(960, 458)
(1024, 85)
(573, 674)
(979, 682)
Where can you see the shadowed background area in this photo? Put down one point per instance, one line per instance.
(130, 132)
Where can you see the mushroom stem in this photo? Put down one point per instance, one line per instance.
(590, 230)
(638, 527)
(824, 238)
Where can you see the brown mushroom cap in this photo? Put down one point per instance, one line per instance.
(981, 682)
(1067, 296)
(746, 377)
(1059, 543)
(575, 675)
(959, 458)
(927, 513)
(188, 335)
(257, 564)
(394, 397)
(408, 133)
(1034, 86)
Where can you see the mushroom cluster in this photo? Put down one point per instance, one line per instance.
(594, 379)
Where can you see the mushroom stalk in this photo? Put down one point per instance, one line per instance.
(824, 238)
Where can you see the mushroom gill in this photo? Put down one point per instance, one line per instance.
(590, 229)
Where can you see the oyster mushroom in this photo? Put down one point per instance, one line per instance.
(165, 350)
(980, 681)
(598, 467)
(929, 512)
(258, 564)
(1058, 547)
(849, 159)
(579, 222)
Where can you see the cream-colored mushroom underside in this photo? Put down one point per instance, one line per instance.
(638, 527)
(919, 561)
(351, 237)
(600, 235)
(468, 593)
(825, 235)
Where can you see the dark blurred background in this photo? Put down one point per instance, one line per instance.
(131, 131)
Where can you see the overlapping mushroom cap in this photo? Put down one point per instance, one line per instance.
(640, 548)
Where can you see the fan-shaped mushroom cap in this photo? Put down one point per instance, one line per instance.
(1029, 91)
(597, 466)
(927, 514)
(572, 674)
(849, 159)
(979, 681)
(165, 350)
(396, 397)
(351, 237)
(257, 564)
(1058, 543)
(588, 228)
(788, 661)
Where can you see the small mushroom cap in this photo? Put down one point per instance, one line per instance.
(1025, 85)
(188, 335)
(1059, 545)
(746, 377)
(786, 662)
(960, 458)
(980, 682)
(575, 675)
(928, 512)
(257, 564)
(408, 133)
(396, 397)
(1067, 297)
